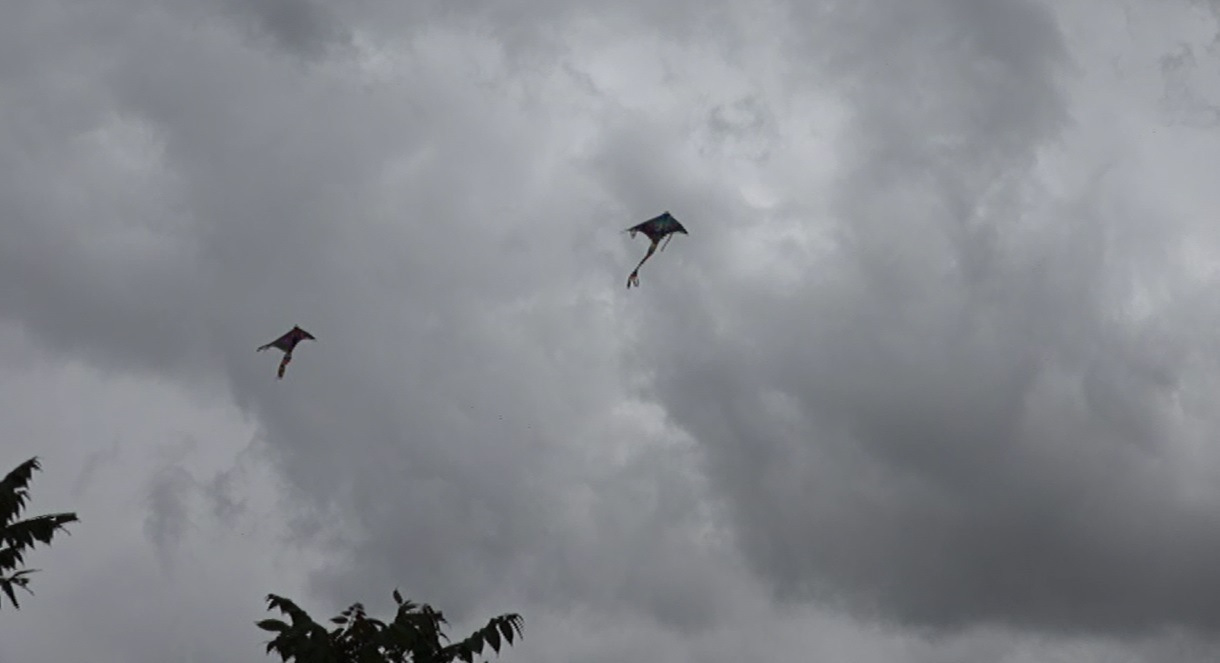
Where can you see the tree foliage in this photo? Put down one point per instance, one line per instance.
(415, 636)
(19, 536)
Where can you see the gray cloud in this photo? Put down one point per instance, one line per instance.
(922, 358)
(302, 27)
(959, 419)
(168, 513)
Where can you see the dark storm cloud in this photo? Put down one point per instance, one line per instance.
(959, 419)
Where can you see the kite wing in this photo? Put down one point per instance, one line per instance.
(658, 227)
(289, 341)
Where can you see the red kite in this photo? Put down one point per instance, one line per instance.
(663, 226)
(288, 342)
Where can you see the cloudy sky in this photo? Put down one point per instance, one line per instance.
(931, 380)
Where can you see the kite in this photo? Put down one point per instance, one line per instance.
(288, 342)
(663, 226)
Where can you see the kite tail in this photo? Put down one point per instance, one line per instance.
(284, 364)
(634, 279)
(635, 275)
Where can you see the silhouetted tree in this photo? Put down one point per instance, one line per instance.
(414, 636)
(18, 536)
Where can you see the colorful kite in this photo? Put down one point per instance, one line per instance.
(663, 226)
(288, 342)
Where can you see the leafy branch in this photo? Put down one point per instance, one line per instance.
(415, 635)
(19, 536)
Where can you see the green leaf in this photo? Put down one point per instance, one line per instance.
(509, 624)
(272, 625)
(506, 629)
(13, 494)
(7, 587)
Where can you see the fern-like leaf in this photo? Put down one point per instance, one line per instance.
(19, 536)
(13, 493)
(505, 626)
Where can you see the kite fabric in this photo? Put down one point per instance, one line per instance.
(287, 343)
(656, 228)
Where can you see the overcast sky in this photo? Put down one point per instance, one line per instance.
(933, 378)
